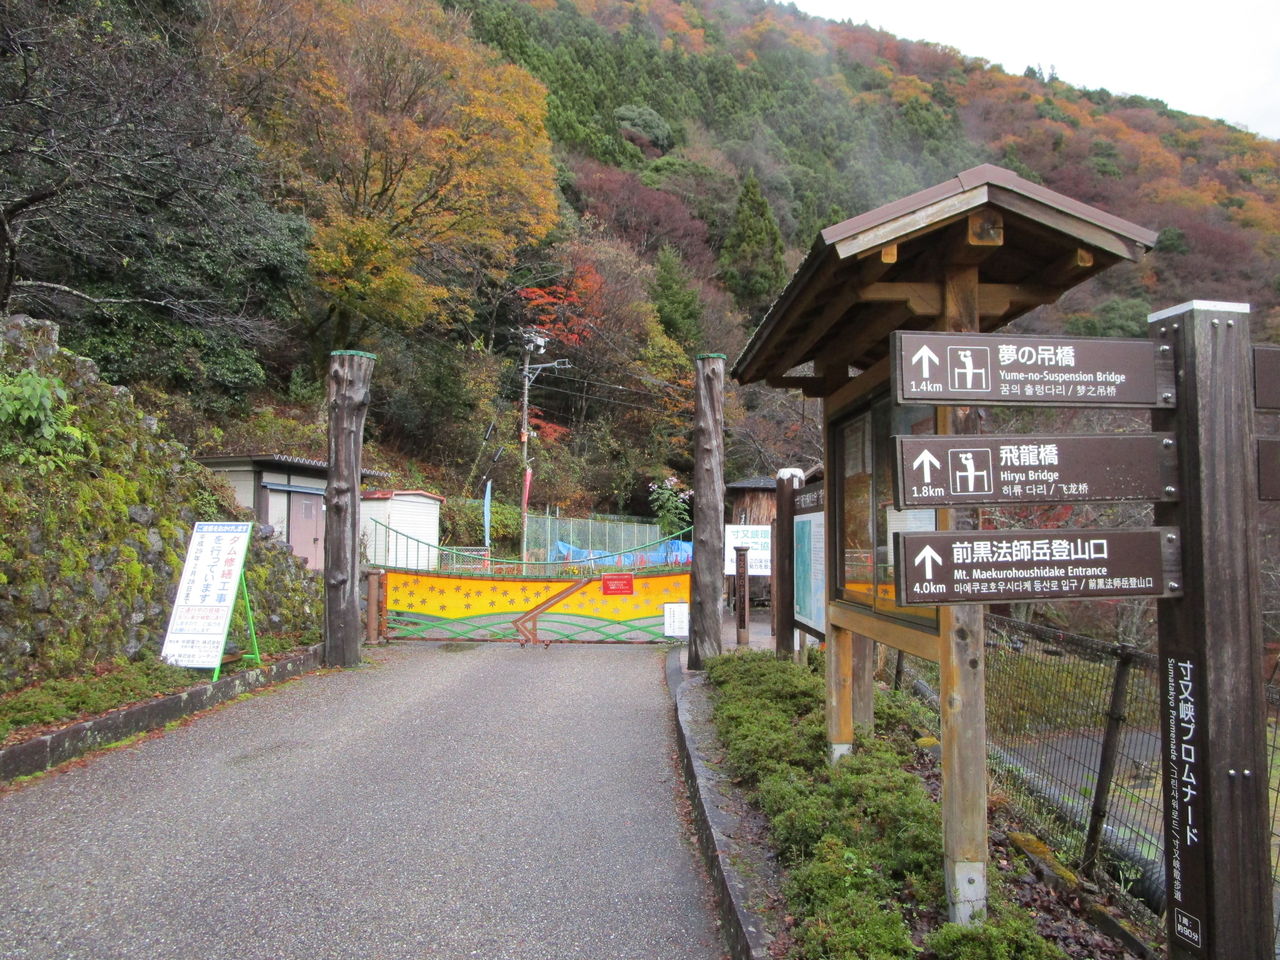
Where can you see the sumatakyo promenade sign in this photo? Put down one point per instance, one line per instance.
(982, 566)
(962, 470)
(960, 368)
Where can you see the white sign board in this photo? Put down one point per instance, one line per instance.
(201, 614)
(675, 620)
(811, 571)
(759, 557)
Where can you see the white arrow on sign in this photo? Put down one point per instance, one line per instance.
(930, 557)
(926, 460)
(924, 356)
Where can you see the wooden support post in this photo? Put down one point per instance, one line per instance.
(839, 691)
(349, 374)
(863, 692)
(963, 676)
(783, 595)
(707, 573)
(1210, 651)
(742, 594)
(372, 606)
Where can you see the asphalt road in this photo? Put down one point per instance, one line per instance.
(489, 801)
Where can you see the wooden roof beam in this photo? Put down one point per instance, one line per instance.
(982, 235)
(838, 306)
(1066, 270)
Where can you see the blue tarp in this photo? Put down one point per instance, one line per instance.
(668, 554)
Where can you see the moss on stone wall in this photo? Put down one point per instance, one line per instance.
(93, 530)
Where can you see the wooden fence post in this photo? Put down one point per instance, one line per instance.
(707, 573)
(349, 374)
(1215, 768)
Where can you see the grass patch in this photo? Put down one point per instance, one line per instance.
(108, 687)
(862, 839)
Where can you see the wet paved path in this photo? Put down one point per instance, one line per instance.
(449, 801)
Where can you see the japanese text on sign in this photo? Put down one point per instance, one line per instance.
(201, 614)
(1185, 784)
(757, 537)
(976, 567)
(939, 367)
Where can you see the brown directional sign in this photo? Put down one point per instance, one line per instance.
(1266, 377)
(1269, 468)
(935, 471)
(962, 566)
(994, 368)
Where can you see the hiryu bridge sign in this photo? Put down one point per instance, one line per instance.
(969, 470)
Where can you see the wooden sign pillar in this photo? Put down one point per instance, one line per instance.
(783, 592)
(962, 670)
(1215, 772)
(707, 574)
(350, 372)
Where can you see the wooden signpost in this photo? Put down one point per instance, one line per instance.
(1200, 561)
(1218, 871)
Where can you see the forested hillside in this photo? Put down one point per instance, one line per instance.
(210, 195)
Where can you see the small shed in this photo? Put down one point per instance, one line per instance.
(287, 493)
(401, 528)
(752, 501)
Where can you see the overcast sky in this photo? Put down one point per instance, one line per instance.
(1219, 60)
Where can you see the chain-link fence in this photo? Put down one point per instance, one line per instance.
(1075, 722)
(548, 535)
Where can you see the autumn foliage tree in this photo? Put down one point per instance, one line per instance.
(419, 156)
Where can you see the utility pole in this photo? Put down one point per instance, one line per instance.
(533, 342)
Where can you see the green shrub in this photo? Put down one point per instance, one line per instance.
(863, 838)
(1010, 937)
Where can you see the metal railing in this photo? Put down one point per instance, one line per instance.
(392, 549)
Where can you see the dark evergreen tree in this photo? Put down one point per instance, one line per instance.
(751, 263)
(678, 304)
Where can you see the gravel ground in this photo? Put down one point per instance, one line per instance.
(448, 801)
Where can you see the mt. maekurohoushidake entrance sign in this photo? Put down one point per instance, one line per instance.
(969, 566)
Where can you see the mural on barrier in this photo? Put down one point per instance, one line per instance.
(604, 608)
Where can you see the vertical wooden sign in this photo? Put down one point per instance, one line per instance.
(1218, 871)
(350, 372)
(707, 574)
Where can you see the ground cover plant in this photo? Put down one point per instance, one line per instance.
(117, 683)
(862, 840)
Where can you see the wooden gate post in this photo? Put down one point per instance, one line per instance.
(349, 374)
(707, 573)
(1215, 767)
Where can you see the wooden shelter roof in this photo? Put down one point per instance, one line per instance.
(883, 271)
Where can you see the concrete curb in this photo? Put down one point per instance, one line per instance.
(715, 826)
(46, 752)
